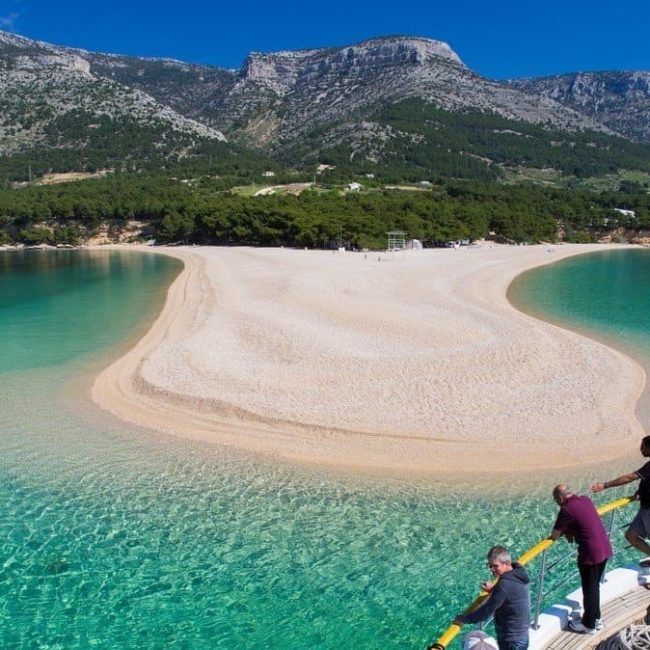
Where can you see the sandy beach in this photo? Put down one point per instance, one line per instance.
(417, 365)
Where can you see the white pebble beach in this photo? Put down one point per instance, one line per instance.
(416, 365)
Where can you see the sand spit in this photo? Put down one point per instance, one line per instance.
(416, 365)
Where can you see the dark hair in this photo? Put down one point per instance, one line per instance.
(646, 442)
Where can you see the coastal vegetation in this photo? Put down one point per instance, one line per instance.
(206, 211)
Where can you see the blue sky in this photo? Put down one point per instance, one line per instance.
(500, 39)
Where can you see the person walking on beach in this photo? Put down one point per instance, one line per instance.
(508, 602)
(639, 530)
(579, 521)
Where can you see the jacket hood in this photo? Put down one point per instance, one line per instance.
(518, 574)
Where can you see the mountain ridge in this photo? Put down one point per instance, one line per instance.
(605, 95)
(318, 103)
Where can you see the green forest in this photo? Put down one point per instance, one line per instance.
(427, 143)
(206, 213)
(414, 141)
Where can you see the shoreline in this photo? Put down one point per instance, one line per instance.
(142, 386)
(642, 407)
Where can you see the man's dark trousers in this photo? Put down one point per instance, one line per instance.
(591, 575)
(513, 645)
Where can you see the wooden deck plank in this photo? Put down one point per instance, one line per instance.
(617, 614)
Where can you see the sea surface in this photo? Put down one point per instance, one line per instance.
(605, 295)
(115, 537)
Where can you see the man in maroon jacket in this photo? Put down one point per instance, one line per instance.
(579, 521)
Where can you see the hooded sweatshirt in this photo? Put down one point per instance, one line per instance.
(509, 603)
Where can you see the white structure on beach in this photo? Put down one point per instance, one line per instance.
(396, 242)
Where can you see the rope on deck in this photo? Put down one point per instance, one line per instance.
(634, 637)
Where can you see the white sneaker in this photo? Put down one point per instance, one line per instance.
(599, 624)
(577, 626)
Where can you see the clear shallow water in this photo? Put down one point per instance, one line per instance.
(58, 305)
(606, 292)
(112, 537)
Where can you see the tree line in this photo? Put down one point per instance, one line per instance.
(204, 213)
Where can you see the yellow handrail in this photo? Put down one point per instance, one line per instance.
(452, 631)
(615, 505)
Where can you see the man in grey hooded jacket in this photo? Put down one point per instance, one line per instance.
(508, 602)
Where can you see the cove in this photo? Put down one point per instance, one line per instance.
(113, 536)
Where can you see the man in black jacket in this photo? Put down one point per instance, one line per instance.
(639, 530)
(508, 602)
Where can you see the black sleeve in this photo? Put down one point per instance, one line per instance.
(487, 609)
(644, 472)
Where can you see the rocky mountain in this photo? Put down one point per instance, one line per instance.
(184, 87)
(54, 103)
(404, 107)
(619, 100)
(297, 91)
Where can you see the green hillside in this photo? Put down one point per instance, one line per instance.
(427, 143)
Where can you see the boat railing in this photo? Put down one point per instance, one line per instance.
(546, 568)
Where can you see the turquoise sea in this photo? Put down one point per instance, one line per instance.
(606, 294)
(114, 537)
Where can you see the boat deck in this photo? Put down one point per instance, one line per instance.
(623, 599)
(618, 613)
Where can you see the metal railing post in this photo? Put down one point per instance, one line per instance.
(612, 519)
(540, 591)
